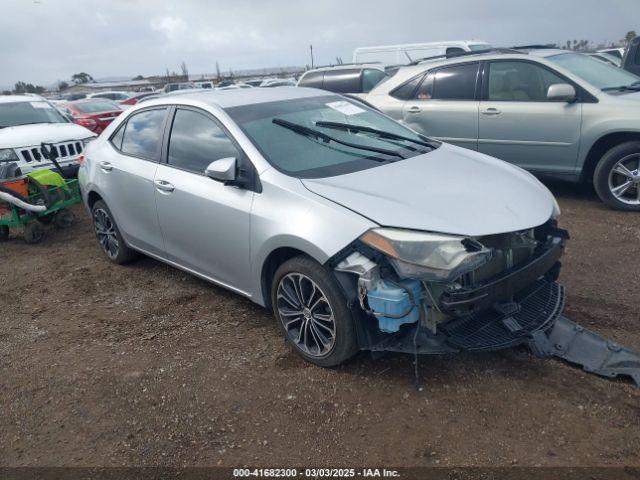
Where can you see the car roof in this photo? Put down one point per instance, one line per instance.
(241, 96)
(20, 98)
(346, 66)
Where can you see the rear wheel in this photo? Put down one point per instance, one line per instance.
(4, 232)
(34, 232)
(64, 219)
(312, 312)
(109, 236)
(617, 177)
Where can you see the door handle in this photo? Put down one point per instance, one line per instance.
(491, 111)
(106, 166)
(414, 109)
(164, 186)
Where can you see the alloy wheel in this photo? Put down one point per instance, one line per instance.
(106, 232)
(624, 180)
(306, 314)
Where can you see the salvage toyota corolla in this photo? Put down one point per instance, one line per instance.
(356, 231)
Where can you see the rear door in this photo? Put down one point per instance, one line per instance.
(126, 173)
(445, 105)
(518, 124)
(205, 223)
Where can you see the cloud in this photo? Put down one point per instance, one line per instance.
(52, 39)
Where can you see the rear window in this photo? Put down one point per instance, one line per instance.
(342, 81)
(312, 80)
(96, 107)
(370, 78)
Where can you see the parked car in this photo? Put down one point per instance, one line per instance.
(94, 114)
(136, 97)
(254, 82)
(204, 84)
(358, 232)
(355, 79)
(278, 82)
(631, 61)
(606, 58)
(119, 97)
(26, 122)
(553, 112)
(171, 87)
(70, 97)
(410, 52)
(234, 86)
(616, 52)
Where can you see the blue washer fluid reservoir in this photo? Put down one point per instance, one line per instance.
(391, 299)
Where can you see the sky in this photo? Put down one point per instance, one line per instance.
(44, 41)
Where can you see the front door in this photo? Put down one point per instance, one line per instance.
(205, 223)
(518, 124)
(444, 106)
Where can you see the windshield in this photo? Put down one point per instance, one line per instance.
(96, 106)
(24, 113)
(305, 156)
(597, 73)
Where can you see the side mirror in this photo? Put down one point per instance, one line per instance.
(561, 92)
(223, 170)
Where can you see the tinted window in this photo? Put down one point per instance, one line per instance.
(342, 81)
(116, 140)
(520, 82)
(143, 133)
(196, 141)
(312, 80)
(371, 78)
(455, 50)
(405, 92)
(456, 83)
(425, 90)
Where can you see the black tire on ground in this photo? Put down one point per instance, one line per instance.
(64, 219)
(4, 232)
(34, 232)
(604, 168)
(120, 253)
(345, 343)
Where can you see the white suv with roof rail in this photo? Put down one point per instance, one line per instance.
(26, 122)
(406, 53)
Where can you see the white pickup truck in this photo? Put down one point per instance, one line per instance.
(28, 121)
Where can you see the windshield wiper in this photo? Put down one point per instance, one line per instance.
(635, 86)
(381, 133)
(302, 130)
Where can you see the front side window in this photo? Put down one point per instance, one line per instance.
(456, 83)
(26, 113)
(520, 82)
(309, 155)
(143, 133)
(196, 141)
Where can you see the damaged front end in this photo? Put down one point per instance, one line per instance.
(425, 293)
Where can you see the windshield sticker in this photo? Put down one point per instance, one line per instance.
(345, 107)
(40, 105)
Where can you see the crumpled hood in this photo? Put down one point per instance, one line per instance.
(31, 135)
(449, 190)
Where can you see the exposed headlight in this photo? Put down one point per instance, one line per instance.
(8, 155)
(428, 256)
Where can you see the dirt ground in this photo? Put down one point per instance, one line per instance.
(103, 365)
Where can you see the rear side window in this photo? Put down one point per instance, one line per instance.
(196, 141)
(370, 78)
(312, 80)
(456, 83)
(342, 81)
(405, 91)
(143, 133)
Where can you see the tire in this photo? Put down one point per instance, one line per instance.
(109, 236)
(64, 219)
(34, 232)
(607, 177)
(4, 233)
(323, 334)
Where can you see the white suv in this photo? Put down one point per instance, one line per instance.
(26, 122)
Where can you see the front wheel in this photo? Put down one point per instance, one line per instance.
(109, 236)
(617, 177)
(312, 312)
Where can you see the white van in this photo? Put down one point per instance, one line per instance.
(406, 53)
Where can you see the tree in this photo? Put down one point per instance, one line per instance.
(217, 70)
(629, 36)
(62, 86)
(22, 87)
(184, 70)
(81, 77)
(139, 77)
